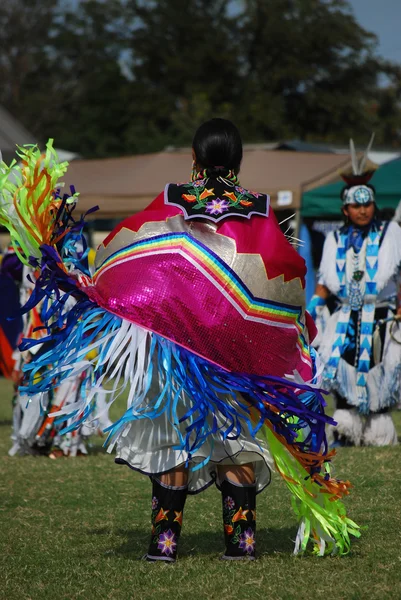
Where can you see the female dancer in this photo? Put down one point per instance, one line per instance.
(196, 308)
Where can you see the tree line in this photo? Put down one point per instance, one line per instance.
(116, 77)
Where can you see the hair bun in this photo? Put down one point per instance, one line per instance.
(217, 171)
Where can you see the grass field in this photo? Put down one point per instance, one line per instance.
(77, 528)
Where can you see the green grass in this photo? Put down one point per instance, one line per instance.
(77, 528)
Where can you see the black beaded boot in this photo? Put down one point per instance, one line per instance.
(167, 513)
(239, 518)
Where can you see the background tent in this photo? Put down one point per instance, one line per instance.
(123, 186)
(324, 202)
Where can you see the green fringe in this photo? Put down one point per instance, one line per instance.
(322, 518)
(18, 181)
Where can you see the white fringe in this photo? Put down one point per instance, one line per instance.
(126, 362)
(380, 431)
(349, 425)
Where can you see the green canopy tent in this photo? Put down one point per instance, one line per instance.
(323, 202)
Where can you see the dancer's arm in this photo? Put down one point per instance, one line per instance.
(318, 299)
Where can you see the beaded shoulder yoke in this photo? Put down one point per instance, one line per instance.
(215, 199)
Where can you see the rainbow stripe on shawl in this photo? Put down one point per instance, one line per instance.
(217, 271)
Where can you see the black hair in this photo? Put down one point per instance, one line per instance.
(218, 147)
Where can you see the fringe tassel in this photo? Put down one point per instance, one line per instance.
(321, 514)
(126, 354)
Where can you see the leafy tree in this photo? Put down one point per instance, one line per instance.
(25, 67)
(185, 64)
(313, 67)
(113, 77)
(384, 108)
(88, 43)
(64, 76)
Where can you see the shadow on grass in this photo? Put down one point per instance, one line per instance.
(269, 541)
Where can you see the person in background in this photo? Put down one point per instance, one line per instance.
(361, 342)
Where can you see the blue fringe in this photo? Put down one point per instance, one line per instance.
(290, 407)
(295, 411)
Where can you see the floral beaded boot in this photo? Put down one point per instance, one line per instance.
(167, 513)
(239, 518)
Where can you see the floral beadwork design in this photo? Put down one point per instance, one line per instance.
(178, 517)
(216, 198)
(198, 194)
(217, 206)
(166, 528)
(229, 503)
(158, 515)
(240, 515)
(199, 183)
(234, 525)
(247, 541)
(245, 192)
(167, 542)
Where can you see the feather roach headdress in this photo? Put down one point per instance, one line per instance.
(357, 190)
